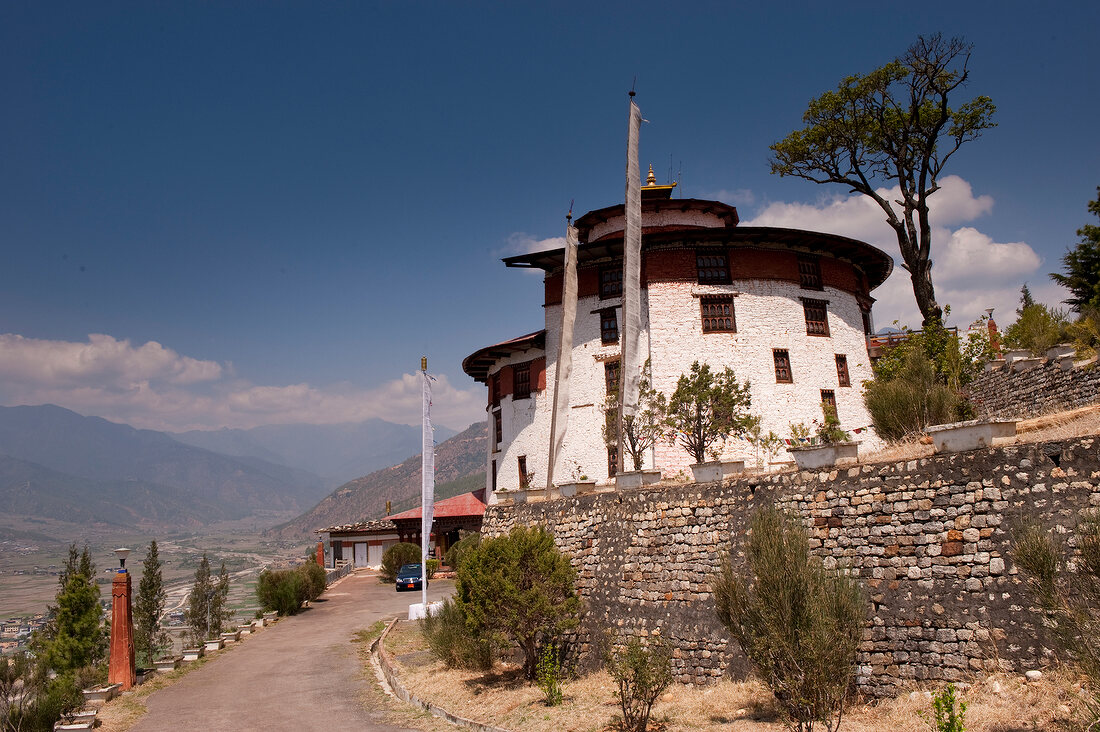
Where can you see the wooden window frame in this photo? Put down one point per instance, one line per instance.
(828, 397)
(498, 428)
(843, 378)
(494, 390)
(712, 273)
(609, 326)
(814, 326)
(809, 272)
(493, 468)
(612, 461)
(611, 286)
(521, 466)
(784, 374)
(611, 374)
(710, 321)
(521, 381)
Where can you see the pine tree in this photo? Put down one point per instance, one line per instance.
(149, 637)
(75, 638)
(198, 607)
(220, 611)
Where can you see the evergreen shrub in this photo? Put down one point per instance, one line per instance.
(396, 556)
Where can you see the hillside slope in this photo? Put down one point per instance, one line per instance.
(458, 462)
(154, 474)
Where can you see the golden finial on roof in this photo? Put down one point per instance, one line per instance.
(651, 180)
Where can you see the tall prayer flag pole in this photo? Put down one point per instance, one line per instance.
(630, 360)
(427, 483)
(559, 417)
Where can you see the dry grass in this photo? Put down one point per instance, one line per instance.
(502, 698)
(1082, 422)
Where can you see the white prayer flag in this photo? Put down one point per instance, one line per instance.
(559, 417)
(631, 361)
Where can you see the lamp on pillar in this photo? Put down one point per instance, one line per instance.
(122, 669)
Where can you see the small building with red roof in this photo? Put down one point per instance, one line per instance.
(364, 543)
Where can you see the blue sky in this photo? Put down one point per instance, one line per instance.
(236, 214)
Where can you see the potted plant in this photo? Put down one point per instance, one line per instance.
(578, 483)
(705, 410)
(765, 446)
(830, 446)
(640, 431)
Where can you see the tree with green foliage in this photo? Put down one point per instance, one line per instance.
(641, 430)
(518, 588)
(798, 623)
(893, 126)
(909, 398)
(206, 612)
(706, 409)
(30, 701)
(458, 550)
(641, 671)
(395, 557)
(1082, 265)
(75, 638)
(1038, 327)
(150, 639)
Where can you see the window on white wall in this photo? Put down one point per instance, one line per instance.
(717, 314)
(609, 326)
(842, 370)
(782, 366)
(817, 316)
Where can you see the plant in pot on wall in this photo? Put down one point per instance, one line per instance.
(705, 410)
(578, 483)
(831, 445)
(765, 446)
(641, 431)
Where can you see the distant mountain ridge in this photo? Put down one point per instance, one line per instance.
(459, 466)
(337, 452)
(88, 467)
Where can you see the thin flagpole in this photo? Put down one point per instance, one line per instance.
(427, 473)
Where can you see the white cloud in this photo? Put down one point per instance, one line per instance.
(520, 242)
(156, 388)
(971, 272)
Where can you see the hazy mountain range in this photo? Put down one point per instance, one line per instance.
(336, 452)
(459, 468)
(57, 464)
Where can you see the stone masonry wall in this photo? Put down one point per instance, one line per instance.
(1040, 390)
(929, 538)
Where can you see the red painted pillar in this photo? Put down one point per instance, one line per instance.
(321, 554)
(122, 669)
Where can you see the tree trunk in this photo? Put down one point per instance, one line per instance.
(925, 294)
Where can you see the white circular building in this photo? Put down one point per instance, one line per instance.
(787, 310)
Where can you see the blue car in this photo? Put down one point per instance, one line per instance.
(408, 577)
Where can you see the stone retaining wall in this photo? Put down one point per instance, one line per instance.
(1040, 390)
(929, 538)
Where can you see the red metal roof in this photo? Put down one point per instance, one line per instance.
(467, 504)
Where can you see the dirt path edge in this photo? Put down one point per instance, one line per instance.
(402, 693)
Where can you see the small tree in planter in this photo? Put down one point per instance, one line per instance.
(149, 638)
(830, 433)
(765, 446)
(642, 430)
(706, 409)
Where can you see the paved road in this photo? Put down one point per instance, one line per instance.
(300, 674)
